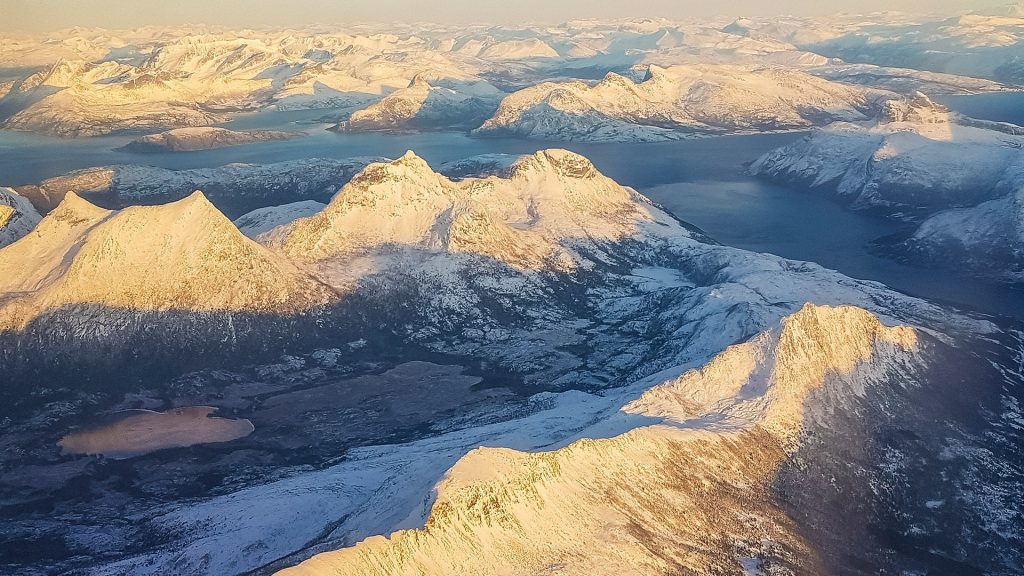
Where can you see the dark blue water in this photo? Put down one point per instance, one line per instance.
(995, 106)
(703, 182)
(767, 218)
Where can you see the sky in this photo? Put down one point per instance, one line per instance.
(46, 15)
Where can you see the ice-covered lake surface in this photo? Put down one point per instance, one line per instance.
(136, 432)
(702, 181)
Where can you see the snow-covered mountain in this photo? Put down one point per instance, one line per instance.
(919, 161)
(206, 138)
(554, 206)
(17, 216)
(915, 158)
(183, 257)
(510, 364)
(261, 220)
(79, 98)
(198, 79)
(514, 49)
(234, 188)
(985, 44)
(680, 101)
(86, 82)
(421, 106)
(599, 303)
(681, 478)
(985, 240)
(906, 80)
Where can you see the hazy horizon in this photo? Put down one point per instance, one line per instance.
(50, 15)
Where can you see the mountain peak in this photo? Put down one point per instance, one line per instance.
(198, 201)
(183, 256)
(616, 78)
(551, 200)
(419, 80)
(409, 169)
(917, 107)
(767, 379)
(557, 160)
(387, 203)
(74, 208)
(411, 157)
(72, 202)
(192, 211)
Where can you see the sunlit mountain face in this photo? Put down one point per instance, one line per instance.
(607, 296)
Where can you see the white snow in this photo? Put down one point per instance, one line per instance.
(180, 256)
(751, 397)
(17, 216)
(554, 204)
(95, 81)
(261, 220)
(528, 510)
(421, 104)
(680, 100)
(918, 159)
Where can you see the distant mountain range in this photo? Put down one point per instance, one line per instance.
(90, 82)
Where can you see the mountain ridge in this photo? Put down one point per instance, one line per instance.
(531, 510)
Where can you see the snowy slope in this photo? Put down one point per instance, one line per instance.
(920, 161)
(180, 256)
(516, 49)
(254, 223)
(915, 158)
(421, 105)
(632, 502)
(984, 240)
(552, 206)
(638, 301)
(17, 216)
(678, 101)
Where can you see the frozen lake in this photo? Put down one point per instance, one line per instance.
(136, 432)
